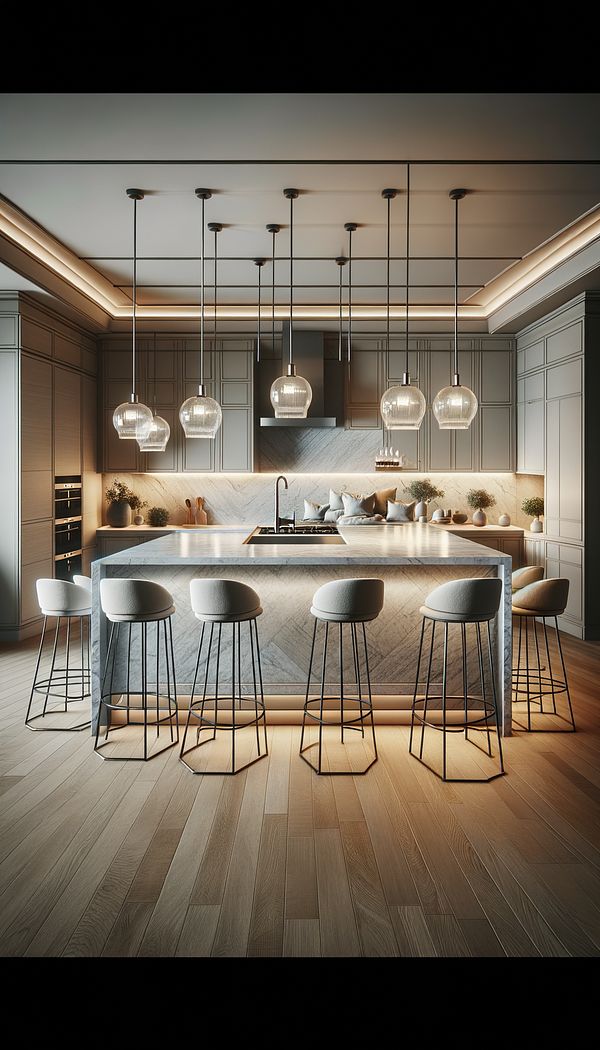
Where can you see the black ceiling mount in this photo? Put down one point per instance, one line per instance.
(259, 262)
(389, 195)
(290, 194)
(341, 260)
(135, 195)
(215, 227)
(273, 227)
(457, 195)
(350, 227)
(203, 194)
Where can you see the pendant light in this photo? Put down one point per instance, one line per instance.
(341, 261)
(160, 431)
(259, 263)
(291, 394)
(273, 229)
(403, 405)
(201, 415)
(350, 227)
(455, 406)
(132, 420)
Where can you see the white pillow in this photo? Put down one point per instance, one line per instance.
(314, 511)
(360, 519)
(335, 500)
(398, 511)
(333, 515)
(354, 505)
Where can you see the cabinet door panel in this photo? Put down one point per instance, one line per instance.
(36, 414)
(521, 437)
(565, 343)
(565, 379)
(534, 437)
(363, 378)
(496, 437)
(236, 364)
(67, 422)
(236, 437)
(496, 376)
(118, 454)
(570, 492)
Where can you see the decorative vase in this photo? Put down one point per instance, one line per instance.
(459, 518)
(118, 515)
(479, 517)
(504, 520)
(138, 519)
(536, 525)
(421, 510)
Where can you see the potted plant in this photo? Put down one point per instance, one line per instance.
(479, 500)
(423, 490)
(121, 501)
(533, 507)
(158, 516)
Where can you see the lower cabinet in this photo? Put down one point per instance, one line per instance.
(566, 560)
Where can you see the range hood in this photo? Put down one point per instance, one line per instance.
(310, 363)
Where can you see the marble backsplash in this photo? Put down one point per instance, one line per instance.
(249, 498)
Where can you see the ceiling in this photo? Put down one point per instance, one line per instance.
(509, 211)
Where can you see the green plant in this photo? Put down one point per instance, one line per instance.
(533, 507)
(479, 499)
(424, 490)
(158, 516)
(119, 492)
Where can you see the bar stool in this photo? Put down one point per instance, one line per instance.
(523, 577)
(68, 601)
(462, 602)
(350, 602)
(219, 602)
(139, 602)
(542, 599)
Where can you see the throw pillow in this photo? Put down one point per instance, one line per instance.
(335, 500)
(381, 499)
(398, 511)
(314, 511)
(358, 504)
(333, 515)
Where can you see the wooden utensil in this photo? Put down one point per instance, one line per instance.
(189, 519)
(201, 515)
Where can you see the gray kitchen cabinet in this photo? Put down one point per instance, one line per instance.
(364, 387)
(531, 442)
(67, 421)
(566, 561)
(496, 414)
(564, 481)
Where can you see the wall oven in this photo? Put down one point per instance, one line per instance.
(67, 526)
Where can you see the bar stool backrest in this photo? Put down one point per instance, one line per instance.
(135, 598)
(62, 598)
(546, 596)
(354, 599)
(478, 598)
(526, 575)
(83, 581)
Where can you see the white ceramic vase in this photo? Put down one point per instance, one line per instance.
(138, 519)
(420, 510)
(536, 525)
(504, 520)
(479, 517)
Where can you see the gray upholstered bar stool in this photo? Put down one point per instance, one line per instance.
(138, 603)
(540, 600)
(353, 602)
(71, 683)
(220, 602)
(460, 602)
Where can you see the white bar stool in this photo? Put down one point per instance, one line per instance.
(219, 602)
(461, 602)
(65, 601)
(140, 602)
(541, 599)
(353, 602)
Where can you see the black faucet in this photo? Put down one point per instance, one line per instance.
(277, 520)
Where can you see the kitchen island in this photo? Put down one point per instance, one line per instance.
(411, 559)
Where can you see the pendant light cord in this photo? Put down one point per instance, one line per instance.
(349, 294)
(215, 296)
(202, 299)
(407, 260)
(154, 376)
(273, 295)
(134, 291)
(387, 281)
(340, 331)
(259, 267)
(291, 272)
(456, 290)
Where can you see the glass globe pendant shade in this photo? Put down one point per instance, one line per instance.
(455, 407)
(132, 420)
(291, 395)
(403, 406)
(157, 439)
(200, 415)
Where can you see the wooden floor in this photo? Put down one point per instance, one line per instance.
(126, 858)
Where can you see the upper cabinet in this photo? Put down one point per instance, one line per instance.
(169, 373)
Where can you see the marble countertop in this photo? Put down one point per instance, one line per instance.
(364, 545)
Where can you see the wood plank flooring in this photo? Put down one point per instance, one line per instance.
(132, 859)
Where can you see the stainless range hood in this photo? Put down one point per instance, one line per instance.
(309, 361)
